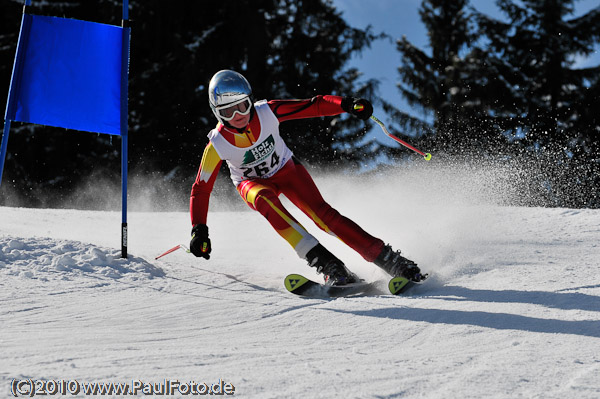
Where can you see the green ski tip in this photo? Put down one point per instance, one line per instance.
(295, 281)
(397, 285)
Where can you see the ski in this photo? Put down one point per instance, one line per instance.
(398, 285)
(300, 285)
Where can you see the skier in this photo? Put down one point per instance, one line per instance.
(262, 167)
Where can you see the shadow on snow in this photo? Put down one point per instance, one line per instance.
(499, 321)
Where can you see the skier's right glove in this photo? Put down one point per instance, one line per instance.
(358, 107)
(200, 244)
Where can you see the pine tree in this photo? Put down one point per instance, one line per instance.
(540, 46)
(453, 83)
(554, 100)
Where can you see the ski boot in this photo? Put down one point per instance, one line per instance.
(333, 270)
(397, 265)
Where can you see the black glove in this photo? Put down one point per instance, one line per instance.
(358, 107)
(200, 244)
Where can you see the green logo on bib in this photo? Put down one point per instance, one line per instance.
(260, 152)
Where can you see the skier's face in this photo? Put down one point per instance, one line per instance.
(236, 114)
(240, 121)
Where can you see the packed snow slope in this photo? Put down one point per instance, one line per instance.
(512, 308)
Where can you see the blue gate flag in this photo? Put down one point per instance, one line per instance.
(72, 74)
(68, 74)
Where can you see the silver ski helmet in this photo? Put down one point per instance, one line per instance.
(229, 92)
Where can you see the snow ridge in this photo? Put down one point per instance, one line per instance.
(47, 258)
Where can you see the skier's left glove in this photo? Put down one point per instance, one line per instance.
(200, 244)
(358, 107)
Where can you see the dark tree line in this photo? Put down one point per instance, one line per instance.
(504, 89)
(286, 49)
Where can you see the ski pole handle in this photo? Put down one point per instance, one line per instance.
(425, 155)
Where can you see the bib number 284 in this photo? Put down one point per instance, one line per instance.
(262, 168)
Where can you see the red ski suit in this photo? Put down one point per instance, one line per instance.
(292, 180)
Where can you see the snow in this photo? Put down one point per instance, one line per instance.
(512, 308)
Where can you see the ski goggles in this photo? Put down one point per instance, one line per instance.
(242, 107)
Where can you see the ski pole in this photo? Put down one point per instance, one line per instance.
(425, 155)
(172, 250)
